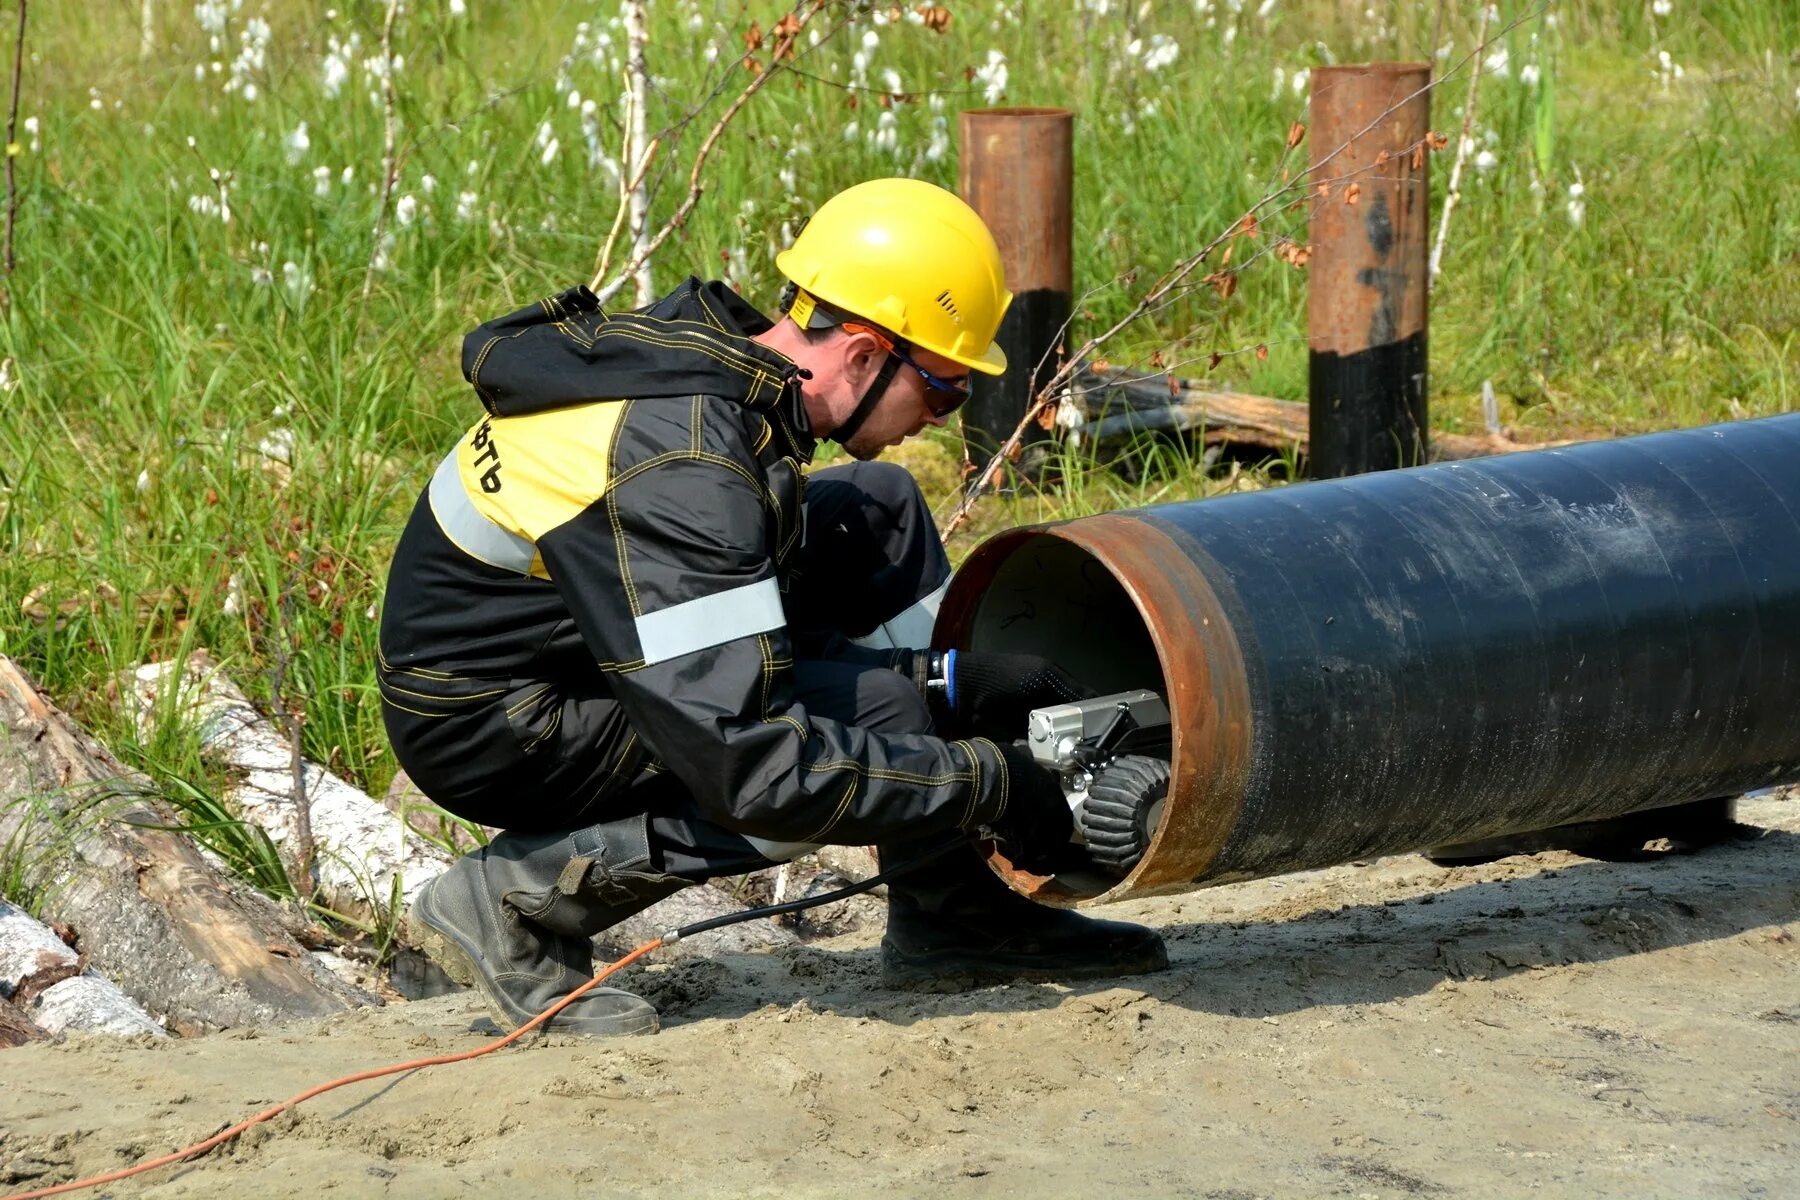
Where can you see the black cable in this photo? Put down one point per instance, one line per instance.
(794, 906)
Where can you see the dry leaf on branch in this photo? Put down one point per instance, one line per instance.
(1436, 140)
(1262, 353)
(1296, 132)
(1214, 360)
(1353, 193)
(753, 37)
(1045, 416)
(1249, 227)
(1224, 281)
(937, 17)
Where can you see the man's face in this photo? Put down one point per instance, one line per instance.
(907, 406)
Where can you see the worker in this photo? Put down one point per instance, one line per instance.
(625, 628)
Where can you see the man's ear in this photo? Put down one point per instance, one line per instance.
(863, 355)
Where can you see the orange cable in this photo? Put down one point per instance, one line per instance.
(226, 1135)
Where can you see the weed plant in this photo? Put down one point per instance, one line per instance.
(203, 412)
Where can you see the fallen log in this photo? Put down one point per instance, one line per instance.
(55, 989)
(15, 1027)
(1113, 405)
(362, 850)
(699, 903)
(406, 801)
(194, 948)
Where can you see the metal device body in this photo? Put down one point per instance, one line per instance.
(1080, 742)
(1407, 658)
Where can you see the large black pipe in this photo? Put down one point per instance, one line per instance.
(1403, 659)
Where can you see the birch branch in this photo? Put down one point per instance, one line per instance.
(12, 143)
(786, 33)
(390, 168)
(1454, 191)
(638, 146)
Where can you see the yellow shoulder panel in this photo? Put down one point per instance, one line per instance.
(530, 474)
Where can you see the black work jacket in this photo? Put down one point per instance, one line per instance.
(620, 520)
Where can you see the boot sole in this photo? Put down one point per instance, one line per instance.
(447, 948)
(953, 972)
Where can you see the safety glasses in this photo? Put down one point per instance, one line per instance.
(942, 396)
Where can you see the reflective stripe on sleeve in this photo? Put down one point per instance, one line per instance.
(710, 621)
(473, 533)
(780, 852)
(910, 629)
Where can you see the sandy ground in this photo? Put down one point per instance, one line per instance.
(1545, 1024)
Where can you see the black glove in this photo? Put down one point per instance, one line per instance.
(1037, 827)
(992, 695)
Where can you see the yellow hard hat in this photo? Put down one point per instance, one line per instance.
(911, 258)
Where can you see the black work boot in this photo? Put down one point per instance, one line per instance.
(952, 925)
(515, 919)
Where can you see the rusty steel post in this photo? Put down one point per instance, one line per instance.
(1366, 302)
(1017, 171)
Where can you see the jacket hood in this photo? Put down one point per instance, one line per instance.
(566, 350)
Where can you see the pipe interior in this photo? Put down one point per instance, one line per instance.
(1054, 598)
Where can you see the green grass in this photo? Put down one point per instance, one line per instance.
(145, 346)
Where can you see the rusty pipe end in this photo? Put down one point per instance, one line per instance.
(1121, 603)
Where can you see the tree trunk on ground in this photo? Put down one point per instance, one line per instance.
(361, 848)
(15, 1027)
(685, 907)
(1117, 406)
(52, 986)
(190, 945)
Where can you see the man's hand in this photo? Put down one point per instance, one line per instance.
(1037, 827)
(992, 695)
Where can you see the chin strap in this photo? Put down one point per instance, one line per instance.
(843, 433)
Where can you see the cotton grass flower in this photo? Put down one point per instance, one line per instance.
(406, 210)
(234, 596)
(1163, 50)
(992, 77)
(297, 279)
(1577, 205)
(297, 144)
